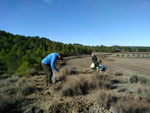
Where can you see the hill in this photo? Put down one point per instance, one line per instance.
(21, 55)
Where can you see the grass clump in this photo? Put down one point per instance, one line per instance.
(82, 84)
(105, 99)
(12, 94)
(141, 80)
(75, 86)
(10, 90)
(144, 80)
(10, 104)
(118, 73)
(134, 79)
(29, 89)
(119, 104)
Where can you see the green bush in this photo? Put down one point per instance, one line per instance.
(22, 70)
(26, 70)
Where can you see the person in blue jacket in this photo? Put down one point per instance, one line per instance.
(48, 63)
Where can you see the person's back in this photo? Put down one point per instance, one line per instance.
(94, 58)
(51, 59)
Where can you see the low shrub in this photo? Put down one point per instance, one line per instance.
(141, 80)
(118, 74)
(117, 55)
(144, 80)
(106, 100)
(10, 104)
(11, 90)
(81, 84)
(26, 90)
(134, 79)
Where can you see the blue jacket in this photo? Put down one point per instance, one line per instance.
(51, 59)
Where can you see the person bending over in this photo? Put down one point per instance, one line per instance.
(48, 63)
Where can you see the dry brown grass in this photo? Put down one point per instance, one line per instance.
(81, 84)
(119, 104)
(122, 73)
(112, 90)
(12, 94)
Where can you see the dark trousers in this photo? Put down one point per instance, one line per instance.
(48, 71)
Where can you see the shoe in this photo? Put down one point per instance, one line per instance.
(48, 84)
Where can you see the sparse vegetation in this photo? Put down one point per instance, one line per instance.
(83, 83)
(134, 79)
(12, 94)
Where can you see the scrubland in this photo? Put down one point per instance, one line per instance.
(123, 88)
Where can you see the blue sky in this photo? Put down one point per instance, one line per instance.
(87, 22)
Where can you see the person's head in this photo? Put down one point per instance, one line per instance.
(60, 56)
(100, 61)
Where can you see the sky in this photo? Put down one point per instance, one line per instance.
(87, 22)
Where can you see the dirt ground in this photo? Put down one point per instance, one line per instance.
(127, 65)
(47, 99)
(133, 65)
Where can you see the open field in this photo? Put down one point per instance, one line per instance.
(123, 88)
(133, 65)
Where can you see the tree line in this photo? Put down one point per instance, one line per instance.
(22, 55)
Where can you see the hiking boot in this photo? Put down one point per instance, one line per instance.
(48, 84)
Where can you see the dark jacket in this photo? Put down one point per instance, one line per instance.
(94, 58)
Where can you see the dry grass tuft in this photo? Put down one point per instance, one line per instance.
(141, 80)
(12, 94)
(29, 89)
(115, 104)
(11, 104)
(81, 84)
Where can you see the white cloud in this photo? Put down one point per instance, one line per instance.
(48, 1)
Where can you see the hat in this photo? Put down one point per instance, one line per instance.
(61, 56)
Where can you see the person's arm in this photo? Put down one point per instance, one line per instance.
(53, 65)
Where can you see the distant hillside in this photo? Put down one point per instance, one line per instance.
(22, 55)
(134, 48)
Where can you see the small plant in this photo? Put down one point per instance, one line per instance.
(26, 90)
(10, 104)
(134, 79)
(117, 55)
(118, 73)
(105, 99)
(122, 55)
(138, 55)
(143, 80)
(10, 90)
